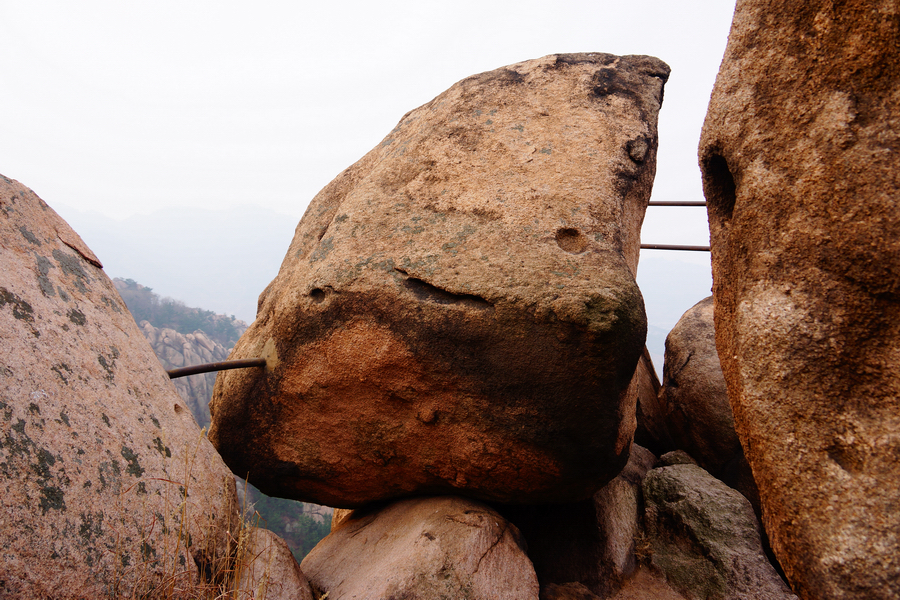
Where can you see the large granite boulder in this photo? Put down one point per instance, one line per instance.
(457, 311)
(801, 172)
(107, 486)
(440, 547)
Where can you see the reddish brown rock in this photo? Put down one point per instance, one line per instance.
(652, 420)
(457, 311)
(107, 486)
(268, 570)
(801, 172)
(443, 547)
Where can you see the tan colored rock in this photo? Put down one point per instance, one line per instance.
(693, 392)
(268, 570)
(457, 311)
(440, 547)
(647, 584)
(107, 487)
(704, 537)
(801, 171)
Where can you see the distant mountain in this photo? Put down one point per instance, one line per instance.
(218, 259)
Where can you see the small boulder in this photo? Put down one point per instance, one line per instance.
(268, 570)
(439, 547)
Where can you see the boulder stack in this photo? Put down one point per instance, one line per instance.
(801, 172)
(457, 312)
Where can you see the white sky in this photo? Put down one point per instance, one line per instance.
(126, 107)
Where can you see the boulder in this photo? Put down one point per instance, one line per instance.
(440, 547)
(801, 171)
(693, 393)
(268, 570)
(652, 421)
(588, 544)
(457, 312)
(107, 486)
(705, 538)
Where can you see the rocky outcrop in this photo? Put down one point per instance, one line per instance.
(693, 394)
(704, 537)
(182, 350)
(457, 312)
(107, 486)
(801, 174)
(442, 547)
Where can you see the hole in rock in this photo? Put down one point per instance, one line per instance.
(718, 187)
(430, 293)
(317, 294)
(571, 240)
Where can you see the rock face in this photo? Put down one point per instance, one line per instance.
(457, 311)
(589, 543)
(181, 350)
(107, 487)
(801, 174)
(705, 538)
(693, 393)
(442, 547)
(269, 570)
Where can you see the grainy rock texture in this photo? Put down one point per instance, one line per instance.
(269, 570)
(457, 311)
(589, 543)
(423, 548)
(693, 393)
(705, 537)
(801, 172)
(107, 487)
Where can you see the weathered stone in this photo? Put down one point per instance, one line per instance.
(457, 311)
(590, 543)
(269, 571)
(442, 547)
(647, 584)
(705, 537)
(693, 392)
(652, 425)
(801, 173)
(107, 487)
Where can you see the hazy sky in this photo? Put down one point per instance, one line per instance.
(126, 107)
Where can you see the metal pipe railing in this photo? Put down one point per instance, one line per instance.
(224, 365)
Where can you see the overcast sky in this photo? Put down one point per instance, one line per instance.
(126, 107)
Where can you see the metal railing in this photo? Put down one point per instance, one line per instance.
(676, 246)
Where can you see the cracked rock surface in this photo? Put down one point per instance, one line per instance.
(440, 547)
(457, 312)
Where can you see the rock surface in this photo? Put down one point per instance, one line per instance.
(441, 547)
(652, 421)
(589, 543)
(107, 487)
(705, 538)
(457, 311)
(693, 393)
(801, 172)
(269, 570)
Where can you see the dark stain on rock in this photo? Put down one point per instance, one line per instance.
(21, 310)
(72, 265)
(52, 498)
(91, 526)
(109, 363)
(62, 415)
(64, 372)
(162, 448)
(29, 236)
(134, 467)
(105, 419)
(77, 317)
(43, 267)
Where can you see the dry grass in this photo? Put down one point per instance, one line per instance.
(171, 564)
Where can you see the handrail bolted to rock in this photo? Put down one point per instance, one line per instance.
(242, 363)
(676, 246)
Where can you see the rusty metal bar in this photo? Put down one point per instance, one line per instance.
(674, 247)
(677, 203)
(224, 365)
